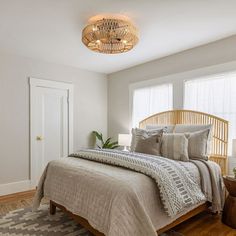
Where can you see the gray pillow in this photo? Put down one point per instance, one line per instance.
(167, 128)
(175, 146)
(142, 133)
(197, 144)
(150, 145)
(189, 128)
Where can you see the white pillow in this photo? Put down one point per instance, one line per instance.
(175, 146)
(168, 128)
(142, 134)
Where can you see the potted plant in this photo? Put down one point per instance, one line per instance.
(234, 171)
(108, 144)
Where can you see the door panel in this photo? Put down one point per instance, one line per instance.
(51, 126)
(51, 123)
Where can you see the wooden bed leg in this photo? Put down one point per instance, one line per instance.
(52, 208)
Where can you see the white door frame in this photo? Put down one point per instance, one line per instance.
(34, 83)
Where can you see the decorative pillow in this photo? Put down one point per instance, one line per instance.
(142, 133)
(167, 128)
(197, 144)
(175, 146)
(188, 128)
(150, 145)
(182, 128)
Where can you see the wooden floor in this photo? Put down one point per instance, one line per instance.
(16, 201)
(201, 225)
(205, 224)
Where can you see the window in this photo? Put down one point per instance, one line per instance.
(150, 100)
(215, 95)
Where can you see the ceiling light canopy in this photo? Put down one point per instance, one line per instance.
(110, 35)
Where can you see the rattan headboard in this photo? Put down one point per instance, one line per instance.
(219, 131)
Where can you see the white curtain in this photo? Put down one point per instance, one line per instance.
(150, 100)
(214, 95)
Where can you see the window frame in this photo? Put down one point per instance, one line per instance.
(177, 78)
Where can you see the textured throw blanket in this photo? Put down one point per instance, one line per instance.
(178, 187)
(211, 171)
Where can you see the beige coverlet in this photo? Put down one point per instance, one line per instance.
(177, 185)
(115, 201)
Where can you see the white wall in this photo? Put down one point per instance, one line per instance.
(204, 60)
(90, 110)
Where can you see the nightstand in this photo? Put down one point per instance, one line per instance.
(228, 216)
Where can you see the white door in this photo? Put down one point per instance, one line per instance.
(49, 126)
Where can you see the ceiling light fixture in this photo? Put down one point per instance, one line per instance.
(110, 35)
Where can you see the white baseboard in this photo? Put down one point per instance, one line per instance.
(15, 187)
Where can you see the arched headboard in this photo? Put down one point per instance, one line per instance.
(219, 147)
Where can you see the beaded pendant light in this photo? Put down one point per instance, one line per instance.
(110, 35)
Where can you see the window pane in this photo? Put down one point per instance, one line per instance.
(214, 95)
(150, 100)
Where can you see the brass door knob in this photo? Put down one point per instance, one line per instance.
(39, 138)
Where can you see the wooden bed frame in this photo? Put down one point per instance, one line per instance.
(219, 155)
(82, 221)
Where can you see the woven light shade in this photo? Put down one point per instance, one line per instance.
(110, 36)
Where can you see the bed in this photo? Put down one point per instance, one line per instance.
(112, 200)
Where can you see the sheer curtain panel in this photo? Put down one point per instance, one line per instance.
(150, 100)
(215, 95)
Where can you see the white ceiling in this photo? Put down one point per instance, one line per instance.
(50, 30)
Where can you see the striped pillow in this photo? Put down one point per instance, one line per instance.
(175, 146)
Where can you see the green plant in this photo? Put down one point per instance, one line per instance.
(107, 143)
(234, 171)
